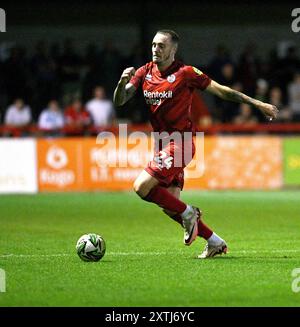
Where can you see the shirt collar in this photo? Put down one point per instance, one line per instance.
(172, 68)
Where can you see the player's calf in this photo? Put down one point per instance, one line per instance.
(175, 216)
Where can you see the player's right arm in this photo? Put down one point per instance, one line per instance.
(226, 93)
(196, 79)
(124, 90)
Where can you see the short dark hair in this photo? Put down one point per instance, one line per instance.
(174, 36)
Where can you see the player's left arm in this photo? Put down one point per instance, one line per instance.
(226, 93)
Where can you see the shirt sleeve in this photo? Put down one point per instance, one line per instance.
(138, 77)
(196, 79)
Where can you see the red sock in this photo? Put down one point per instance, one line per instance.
(162, 197)
(203, 230)
(177, 218)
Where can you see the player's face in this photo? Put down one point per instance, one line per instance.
(163, 49)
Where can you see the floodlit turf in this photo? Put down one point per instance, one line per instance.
(146, 263)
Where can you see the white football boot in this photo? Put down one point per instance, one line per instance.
(212, 250)
(190, 225)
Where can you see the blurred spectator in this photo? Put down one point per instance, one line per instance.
(3, 96)
(93, 74)
(284, 68)
(18, 114)
(55, 51)
(91, 55)
(261, 90)
(135, 59)
(276, 99)
(111, 69)
(249, 68)
(226, 110)
(220, 59)
(103, 68)
(76, 117)
(289, 65)
(245, 116)
(16, 74)
(47, 84)
(227, 74)
(51, 119)
(70, 64)
(101, 109)
(294, 97)
(261, 94)
(56, 71)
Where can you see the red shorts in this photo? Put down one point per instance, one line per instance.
(169, 162)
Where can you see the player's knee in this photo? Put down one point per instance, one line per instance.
(138, 188)
(141, 188)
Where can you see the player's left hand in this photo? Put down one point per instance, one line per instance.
(269, 110)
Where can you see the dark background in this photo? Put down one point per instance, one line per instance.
(127, 27)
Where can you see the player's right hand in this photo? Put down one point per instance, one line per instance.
(269, 110)
(127, 74)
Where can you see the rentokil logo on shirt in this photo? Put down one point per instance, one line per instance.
(154, 98)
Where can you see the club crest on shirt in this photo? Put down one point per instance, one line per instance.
(196, 70)
(171, 78)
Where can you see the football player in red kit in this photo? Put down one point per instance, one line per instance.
(168, 87)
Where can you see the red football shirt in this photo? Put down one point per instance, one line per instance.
(169, 94)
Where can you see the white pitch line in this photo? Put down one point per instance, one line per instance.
(144, 253)
(69, 254)
(265, 251)
(33, 255)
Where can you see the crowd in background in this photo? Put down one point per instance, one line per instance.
(57, 87)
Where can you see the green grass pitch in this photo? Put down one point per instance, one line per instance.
(146, 263)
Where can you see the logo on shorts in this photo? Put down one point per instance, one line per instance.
(163, 160)
(171, 78)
